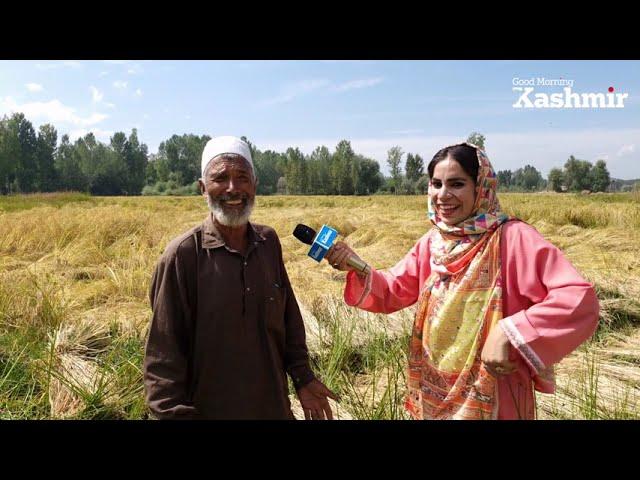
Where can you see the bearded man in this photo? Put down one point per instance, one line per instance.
(226, 327)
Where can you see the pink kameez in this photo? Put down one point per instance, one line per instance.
(549, 309)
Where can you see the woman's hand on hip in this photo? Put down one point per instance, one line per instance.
(495, 353)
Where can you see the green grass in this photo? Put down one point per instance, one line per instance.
(23, 393)
(14, 203)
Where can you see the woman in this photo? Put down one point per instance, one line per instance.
(498, 305)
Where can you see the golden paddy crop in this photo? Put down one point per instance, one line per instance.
(74, 311)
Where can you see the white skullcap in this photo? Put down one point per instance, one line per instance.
(225, 144)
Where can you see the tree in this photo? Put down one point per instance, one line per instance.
(119, 150)
(341, 169)
(135, 156)
(319, 171)
(183, 155)
(600, 177)
(118, 143)
(3, 157)
(577, 174)
(268, 172)
(67, 164)
(46, 149)
(151, 172)
(84, 151)
(528, 178)
(556, 179)
(8, 152)
(422, 186)
(369, 177)
(505, 179)
(394, 157)
(23, 152)
(414, 167)
(110, 172)
(476, 139)
(296, 172)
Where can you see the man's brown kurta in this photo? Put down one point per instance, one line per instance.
(225, 329)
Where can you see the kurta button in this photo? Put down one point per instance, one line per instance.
(245, 264)
(248, 289)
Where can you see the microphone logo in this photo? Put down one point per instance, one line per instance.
(322, 243)
(326, 237)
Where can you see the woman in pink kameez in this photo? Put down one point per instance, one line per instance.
(498, 305)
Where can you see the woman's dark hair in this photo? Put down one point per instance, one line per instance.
(462, 153)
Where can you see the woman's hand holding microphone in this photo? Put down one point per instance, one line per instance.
(341, 257)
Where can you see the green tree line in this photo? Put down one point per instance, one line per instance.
(33, 161)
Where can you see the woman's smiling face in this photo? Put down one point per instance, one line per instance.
(452, 192)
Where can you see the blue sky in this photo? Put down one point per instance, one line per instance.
(419, 105)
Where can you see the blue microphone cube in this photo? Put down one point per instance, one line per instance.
(322, 243)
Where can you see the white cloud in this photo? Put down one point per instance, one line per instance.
(110, 105)
(117, 62)
(146, 116)
(103, 74)
(96, 95)
(52, 66)
(138, 92)
(102, 135)
(120, 84)
(357, 84)
(34, 87)
(53, 111)
(626, 150)
(507, 151)
(294, 90)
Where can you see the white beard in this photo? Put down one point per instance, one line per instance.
(230, 219)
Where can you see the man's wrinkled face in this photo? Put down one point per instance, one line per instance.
(229, 186)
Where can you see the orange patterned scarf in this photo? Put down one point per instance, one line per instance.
(459, 304)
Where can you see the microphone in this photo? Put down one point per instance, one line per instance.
(322, 242)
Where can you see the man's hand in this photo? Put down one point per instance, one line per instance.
(495, 354)
(313, 398)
